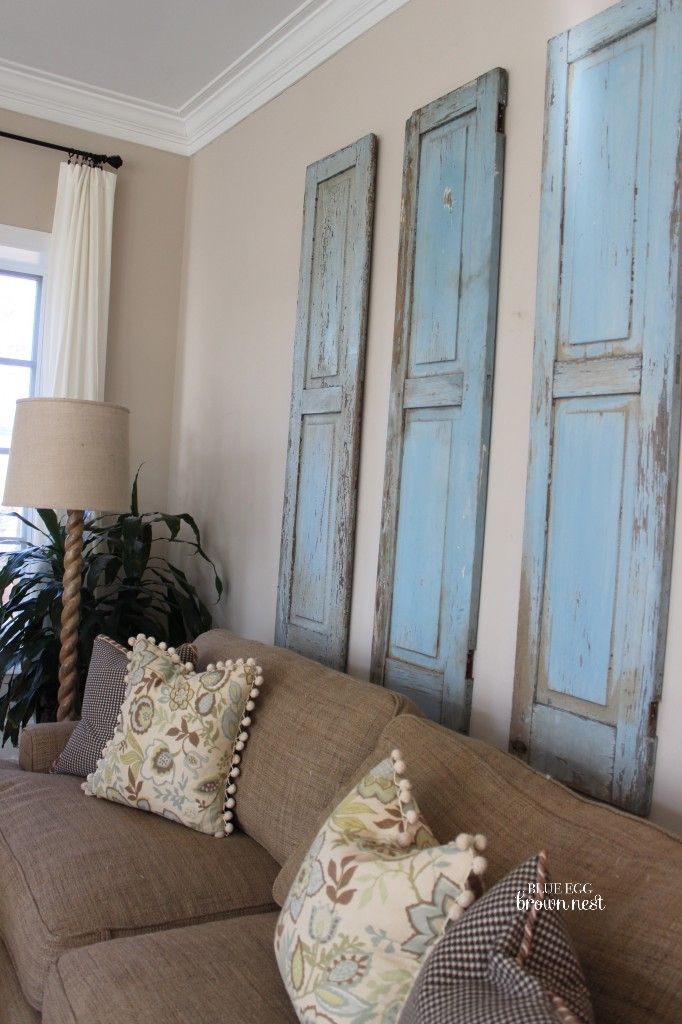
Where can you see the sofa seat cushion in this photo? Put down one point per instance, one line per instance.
(13, 1007)
(312, 727)
(219, 973)
(76, 871)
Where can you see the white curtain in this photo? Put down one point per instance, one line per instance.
(74, 347)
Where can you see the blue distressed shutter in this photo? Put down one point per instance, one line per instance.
(441, 392)
(318, 527)
(605, 422)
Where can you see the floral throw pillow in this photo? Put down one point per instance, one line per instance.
(177, 744)
(105, 689)
(373, 894)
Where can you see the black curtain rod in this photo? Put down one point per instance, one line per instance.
(95, 158)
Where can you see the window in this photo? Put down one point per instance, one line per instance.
(23, 261)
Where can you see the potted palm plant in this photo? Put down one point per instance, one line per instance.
(129, 586)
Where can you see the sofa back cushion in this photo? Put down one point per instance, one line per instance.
(312, 728)
(631, 951)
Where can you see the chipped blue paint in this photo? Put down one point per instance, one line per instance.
(318, 524)
(606, 406)
(441, 394)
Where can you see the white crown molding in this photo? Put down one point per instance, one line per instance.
(66, 101)
(302, 42)
(309, 36)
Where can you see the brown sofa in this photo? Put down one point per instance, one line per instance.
(191, 918)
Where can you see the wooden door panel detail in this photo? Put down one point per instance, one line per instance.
(318, 526)
(604, 449)
(441, 393)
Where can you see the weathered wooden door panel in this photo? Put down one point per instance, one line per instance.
(441, 393)
(318, 529)
(606, 392)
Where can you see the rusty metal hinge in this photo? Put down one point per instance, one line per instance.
(501, 108)
(652, 720)
(469, 676)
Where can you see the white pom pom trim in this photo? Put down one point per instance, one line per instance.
(406, 802)
(234, 772)
(480, 842)
(465, 898)
(479, 865)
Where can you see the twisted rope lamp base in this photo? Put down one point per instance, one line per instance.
(71, 600)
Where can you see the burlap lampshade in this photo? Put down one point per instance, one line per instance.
(69, 454)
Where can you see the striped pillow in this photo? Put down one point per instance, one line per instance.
(105, 690)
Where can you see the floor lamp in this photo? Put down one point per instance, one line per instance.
(69, 454)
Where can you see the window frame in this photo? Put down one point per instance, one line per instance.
(24, 253)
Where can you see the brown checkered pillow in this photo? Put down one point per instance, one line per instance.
(501, 964)
(105, 689)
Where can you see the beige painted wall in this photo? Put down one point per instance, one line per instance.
(149, 220)
(235, 356)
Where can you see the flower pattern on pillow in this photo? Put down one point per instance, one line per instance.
(371, 897)
(179, 737)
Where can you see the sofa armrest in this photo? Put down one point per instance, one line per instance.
(40, 745)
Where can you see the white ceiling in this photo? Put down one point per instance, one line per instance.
(168, 73)
(158, 51)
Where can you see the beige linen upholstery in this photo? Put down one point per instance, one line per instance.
(312, 727)
(221, 973)
(631, 951)
(76, 870)
(40, 745)
(13, 1007)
